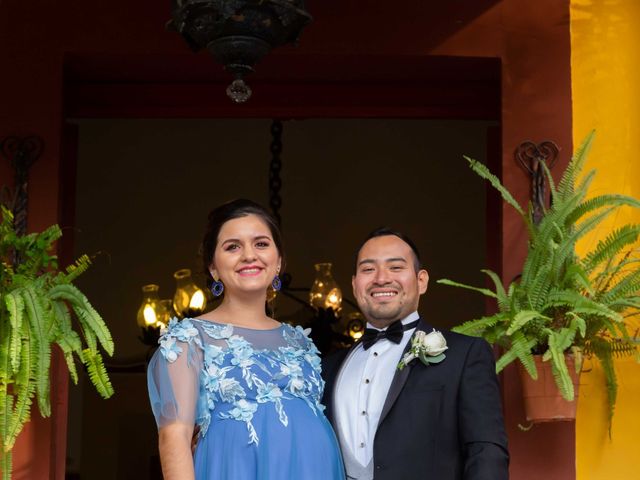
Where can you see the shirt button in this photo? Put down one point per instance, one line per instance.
(375, 354)
(364, 412)
(366, 380)
(361, 444)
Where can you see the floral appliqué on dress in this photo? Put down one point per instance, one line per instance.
(236, 377)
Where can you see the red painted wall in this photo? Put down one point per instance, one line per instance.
(530, 38)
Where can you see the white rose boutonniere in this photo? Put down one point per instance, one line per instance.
(428, 347)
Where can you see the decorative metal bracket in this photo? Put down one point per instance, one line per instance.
(22, 152)
(531, 156)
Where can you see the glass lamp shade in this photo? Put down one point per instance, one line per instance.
(325, 292)
(152, 312)
(167, 305)
(189, 300)
(355, 325)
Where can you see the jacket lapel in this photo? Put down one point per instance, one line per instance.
(400, 377)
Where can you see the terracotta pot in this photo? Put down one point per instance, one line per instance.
(542, 399)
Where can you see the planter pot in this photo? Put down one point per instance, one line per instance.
(542, 399)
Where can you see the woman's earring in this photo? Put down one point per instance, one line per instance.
(217, 287)
(276, 284)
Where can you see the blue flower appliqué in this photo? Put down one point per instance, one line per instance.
(237, 379)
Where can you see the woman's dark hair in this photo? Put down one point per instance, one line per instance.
(228, 211)
(383, 232)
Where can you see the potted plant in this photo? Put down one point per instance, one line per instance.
(39, 306)
(563, 305)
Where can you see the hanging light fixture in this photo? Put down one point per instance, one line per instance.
(189, 300)
(238, 33)
(325, 292)
(153, 315)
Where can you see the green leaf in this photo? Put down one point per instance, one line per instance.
(484, 172)
(97, 372)
(521, 348)
(15, 309)
(484, 291)
(24, 390)
(501, 294)
(559, 368)
(38, 319)
(478, 326)
(91, 321)
(522, 318)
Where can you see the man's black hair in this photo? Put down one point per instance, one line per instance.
(384, 232)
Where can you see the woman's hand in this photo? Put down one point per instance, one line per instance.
(175, 451)
(194, 439)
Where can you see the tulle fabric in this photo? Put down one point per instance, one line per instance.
(255, 395)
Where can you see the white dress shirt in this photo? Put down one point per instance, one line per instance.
(361, 390)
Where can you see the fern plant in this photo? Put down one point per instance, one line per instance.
(38, 308)
(563, 303)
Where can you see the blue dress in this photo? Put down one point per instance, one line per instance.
(255, 394)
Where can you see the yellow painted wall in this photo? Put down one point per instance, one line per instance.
(605, 69)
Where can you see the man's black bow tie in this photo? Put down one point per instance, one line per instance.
(393, 333)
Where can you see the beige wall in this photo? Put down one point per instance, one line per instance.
(145, 187)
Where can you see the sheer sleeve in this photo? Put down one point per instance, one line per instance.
(173, 378)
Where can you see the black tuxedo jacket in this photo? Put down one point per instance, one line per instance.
(439, 422)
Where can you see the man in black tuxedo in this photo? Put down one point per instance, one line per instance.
(436, 421)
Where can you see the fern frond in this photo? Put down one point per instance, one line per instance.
(628, 285)
(522, 318)
(568, 246)
(625, 303)
(564, 338)
(6, 463)
(610, 273)
(603, 350)
(6, 399)
(521, 348)
(549, 177)
(574, 276)
(89, 318)
(97, 372)
(559, 367)
(568, 180)
(484, 291)
(15, 309)
(579, 322)
(601, 201)
(477, 327)
(76, 269)
(501, 294)
(68, 340)
(38, 319)
(484, 172)
(578, 303)
(539, 287)
(24, 389)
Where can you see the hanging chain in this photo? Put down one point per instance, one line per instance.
(275, 182)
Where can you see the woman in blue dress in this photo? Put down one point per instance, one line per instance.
(250, 384)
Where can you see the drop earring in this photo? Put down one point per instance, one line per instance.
(276, 283)
(217, 287)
